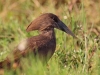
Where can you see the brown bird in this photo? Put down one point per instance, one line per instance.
(43, 44)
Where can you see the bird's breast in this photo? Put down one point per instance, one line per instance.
(47, 50)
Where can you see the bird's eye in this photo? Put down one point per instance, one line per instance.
(55, 19)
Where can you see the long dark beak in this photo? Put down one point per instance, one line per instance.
(64, 28)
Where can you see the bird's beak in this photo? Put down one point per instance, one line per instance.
(64, 28)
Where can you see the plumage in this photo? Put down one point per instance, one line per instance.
(43, 44)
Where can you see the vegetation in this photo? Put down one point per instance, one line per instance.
(73, 56)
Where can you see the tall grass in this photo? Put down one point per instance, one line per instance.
(72, 56)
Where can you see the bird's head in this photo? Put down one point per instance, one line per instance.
(48, 21)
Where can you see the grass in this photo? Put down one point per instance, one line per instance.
(72, 56)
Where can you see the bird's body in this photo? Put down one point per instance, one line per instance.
(43, 44)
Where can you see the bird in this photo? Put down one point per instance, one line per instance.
(42, 45)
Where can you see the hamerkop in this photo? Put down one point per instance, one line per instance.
(43, 44)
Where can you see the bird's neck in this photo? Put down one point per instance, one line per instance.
(48, 33)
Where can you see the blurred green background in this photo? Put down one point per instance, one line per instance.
(72, 56)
